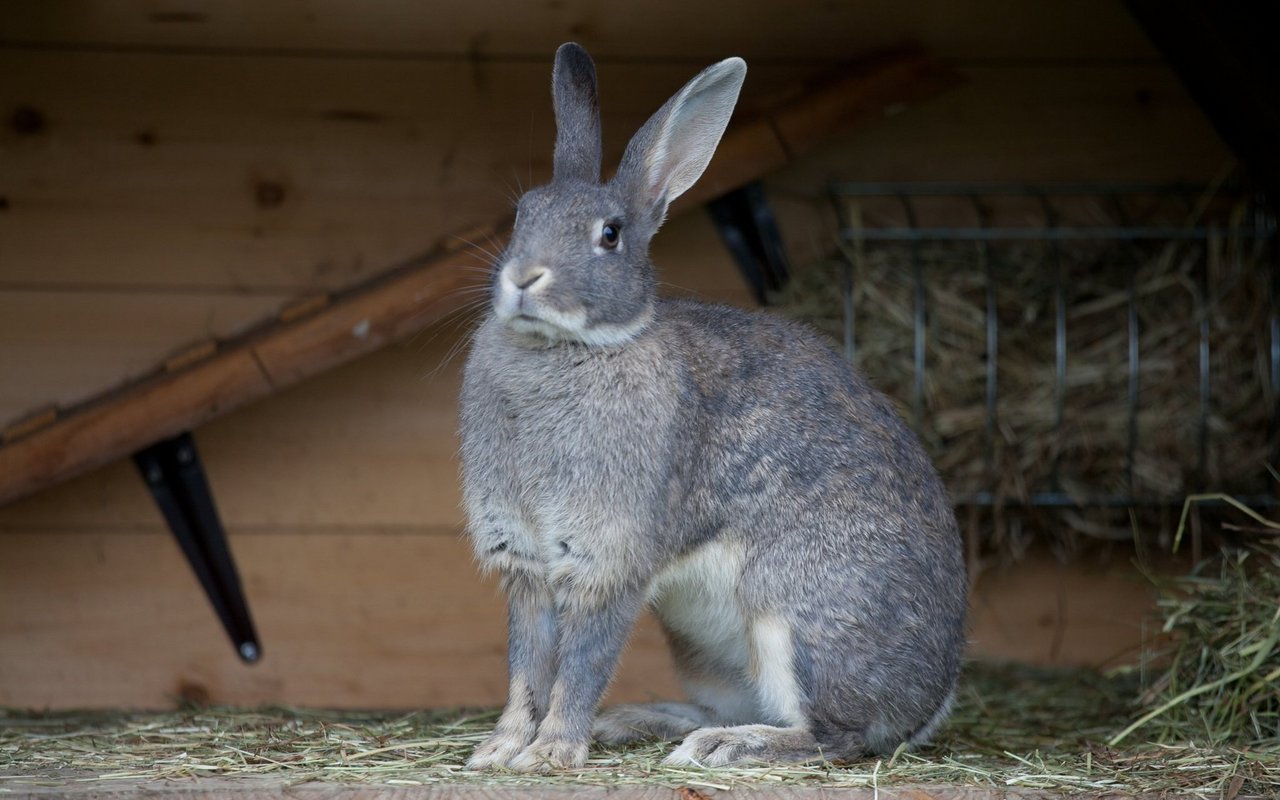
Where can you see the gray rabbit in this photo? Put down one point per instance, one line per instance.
(726, 469)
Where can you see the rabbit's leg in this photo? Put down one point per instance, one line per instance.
(531, 648)
(592, 635)
(643, 721)
(780, 699)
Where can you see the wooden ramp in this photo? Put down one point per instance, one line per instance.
(316, 333)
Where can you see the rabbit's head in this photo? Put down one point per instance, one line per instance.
(577, 267)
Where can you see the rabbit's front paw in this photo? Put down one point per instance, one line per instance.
(550, 754)
(498, 750)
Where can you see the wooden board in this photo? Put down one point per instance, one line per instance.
(372, 446)
(396, 618)
(192, 172)
(232, 788)
(60, 347)
(662, 29)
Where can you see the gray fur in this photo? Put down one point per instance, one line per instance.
(573, 91)
(726, 468)
(636, 723)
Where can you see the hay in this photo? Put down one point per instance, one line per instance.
(1089, 456)
(1220, 682)
(1013, 727)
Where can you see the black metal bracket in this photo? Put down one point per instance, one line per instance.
(176, 479)
(747, 225)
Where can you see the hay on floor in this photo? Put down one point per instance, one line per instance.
(1013, 728)
(1218, 679)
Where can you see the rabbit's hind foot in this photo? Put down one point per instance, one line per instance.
(648, 721)
(718, 747)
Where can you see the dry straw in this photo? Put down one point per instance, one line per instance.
(1013, 728)
(1220, 681)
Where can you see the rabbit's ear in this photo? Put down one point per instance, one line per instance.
(573, 89)
(670, 152)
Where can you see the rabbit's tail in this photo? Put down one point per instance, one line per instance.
(841, 743)
(925, 732)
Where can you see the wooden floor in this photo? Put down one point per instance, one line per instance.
(257, 787)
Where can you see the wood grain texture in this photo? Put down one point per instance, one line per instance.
(167, 403)
(252, 174)
(60, 347)
(95, 436)
(394, 620)
(369, 198)
(662, 29)
(354, 618)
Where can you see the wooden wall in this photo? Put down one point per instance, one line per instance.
(174, 170)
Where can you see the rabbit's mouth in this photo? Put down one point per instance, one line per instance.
(522, 304)
(548, 325)
(535, 318)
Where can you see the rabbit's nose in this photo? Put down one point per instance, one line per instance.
(531, 277)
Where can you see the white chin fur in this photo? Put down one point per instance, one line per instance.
(558, 326)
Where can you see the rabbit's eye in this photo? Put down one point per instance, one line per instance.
(609, 235)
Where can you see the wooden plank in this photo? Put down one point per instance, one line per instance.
(238, 174)
(1043, 611)
(347, 620)
(77, 785)
(873, 88)
(361, 195)
(363, 321)
(125, 421)
(304, 307)
(395, 619)
(190, 355)
(803, 29)
(62, 347)
(1030, 123)
(31, 423)
(108, 430)
(375, 314)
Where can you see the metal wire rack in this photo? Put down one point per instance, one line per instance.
(1058, 217)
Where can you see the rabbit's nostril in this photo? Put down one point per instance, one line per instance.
(530, 278)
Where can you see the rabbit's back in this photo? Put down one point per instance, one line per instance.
(783, 420)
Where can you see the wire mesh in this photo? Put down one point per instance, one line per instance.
(1096, 251)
